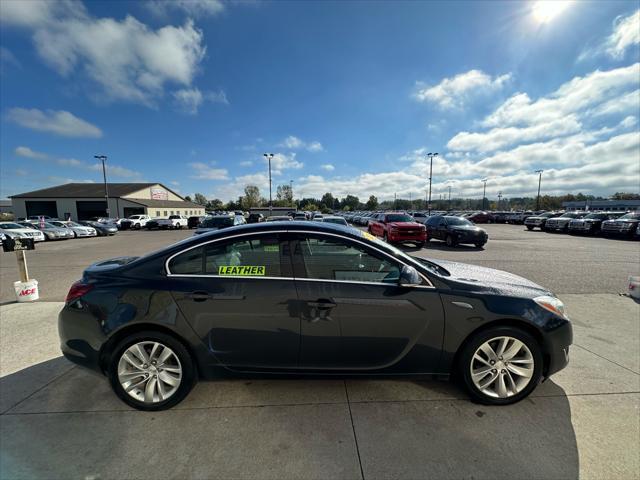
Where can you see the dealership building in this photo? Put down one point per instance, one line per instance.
(603, 205)
(82, 201)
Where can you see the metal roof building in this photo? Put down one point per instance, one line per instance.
(603, 205)
(82, 201)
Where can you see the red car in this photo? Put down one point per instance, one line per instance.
(398, 228)
(481, 217)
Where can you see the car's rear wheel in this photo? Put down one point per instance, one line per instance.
(529, 227)
(385, 237)
(450, 241)
(151, 371)
(501, 365)
(479, 245)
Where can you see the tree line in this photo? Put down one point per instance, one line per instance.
(284, 198)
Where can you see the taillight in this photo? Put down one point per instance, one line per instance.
(77, 290)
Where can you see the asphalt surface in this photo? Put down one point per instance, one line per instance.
(562, 263)
(59, 421)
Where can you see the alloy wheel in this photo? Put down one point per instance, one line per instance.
(502, 367)
(149, 372)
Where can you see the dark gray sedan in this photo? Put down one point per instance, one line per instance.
(308, 298)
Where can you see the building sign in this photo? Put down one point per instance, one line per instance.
(159, 193)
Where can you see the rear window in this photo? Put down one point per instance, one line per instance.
(257, 257)
(399, 218)
(217, 222)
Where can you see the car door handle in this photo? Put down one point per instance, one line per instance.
(322, 304)
(199, 296)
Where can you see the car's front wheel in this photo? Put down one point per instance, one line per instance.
(529, 227)
(151, 371)
(501, 365)
(450, 241)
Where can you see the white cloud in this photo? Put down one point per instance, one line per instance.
(246, 163)
(498, 138)
(190, 99)
(576, 95)
(629, 122)
(626, 33)
(128, 59)
(281, 162)
(294, 143)
(29, 153)
(59, 122)
(328, 167)
(455, 92)
(203, 171)
(192, 8)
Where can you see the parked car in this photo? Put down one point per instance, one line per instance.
(455, 230)
(194, 221)
(335, 219)
(624, 226)
(102, 229)
(173, 222)
(77, 229)
(241, 309)
(396, 227)
(300, 216)
(51, 232)
(539, 221)
(152, 224)
(279, 218)
(18, 230)
(591, 223)
(480, 217)
(134, 222)
(35, 218)
(561, 223)
(219, 222)
(255, 218)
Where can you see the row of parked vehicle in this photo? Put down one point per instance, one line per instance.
(619, 224)
(41, 230)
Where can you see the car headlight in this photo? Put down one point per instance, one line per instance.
(552, 304)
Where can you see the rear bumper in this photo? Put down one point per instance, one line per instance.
(81, 337)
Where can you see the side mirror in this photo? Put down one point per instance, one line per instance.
(409, 277)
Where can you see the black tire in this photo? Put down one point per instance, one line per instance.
(469, 349)
(384, 237)
(137, 226)
(529, 227)
(189, 376)
(178, 226)
(420, 244)
(479, 245)
(450, 241)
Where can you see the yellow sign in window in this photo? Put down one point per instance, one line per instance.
(242, 270)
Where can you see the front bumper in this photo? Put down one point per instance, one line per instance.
(407, 237)
(557, 343)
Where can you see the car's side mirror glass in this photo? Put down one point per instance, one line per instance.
(409, 276)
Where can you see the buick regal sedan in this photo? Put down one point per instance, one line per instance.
(313, 298)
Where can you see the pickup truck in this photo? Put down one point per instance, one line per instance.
(398, 228)
(134, 221)
(174, 221)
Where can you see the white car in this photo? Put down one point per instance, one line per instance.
(174, 221)
(9, 228)
(77, 229)
(135, 222)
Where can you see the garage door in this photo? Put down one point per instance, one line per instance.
(88, 210)
(42, 207)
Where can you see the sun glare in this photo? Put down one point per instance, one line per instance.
(544, 11)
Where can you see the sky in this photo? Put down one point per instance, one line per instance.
(349, 96)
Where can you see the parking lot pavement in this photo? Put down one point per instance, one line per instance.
(59, 421)
(563, 263)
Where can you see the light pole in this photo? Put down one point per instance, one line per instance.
(499, 199)
(103, 158)
(430, 155)
(539, 172)
(269, 156)
(291, 190)
(449, 186)
(484, 191)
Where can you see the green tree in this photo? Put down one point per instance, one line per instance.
(215, 204)
(284, 196)
(350, 201)
(200, 199)
(251, 197)
(187, 198)
(372, 203)
(327, 201)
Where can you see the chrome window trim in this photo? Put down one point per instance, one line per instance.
(269, 232)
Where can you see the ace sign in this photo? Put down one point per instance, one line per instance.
(17, 244)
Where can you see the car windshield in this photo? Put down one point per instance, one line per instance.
(59, 224)
(174, 217)
(10, 226)
(630, 215)
(596, 215)
(217, 222)
(571, 215)
(457, 221)
(49, 225)
(338, 220)
(74, 224)
(399, 217)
